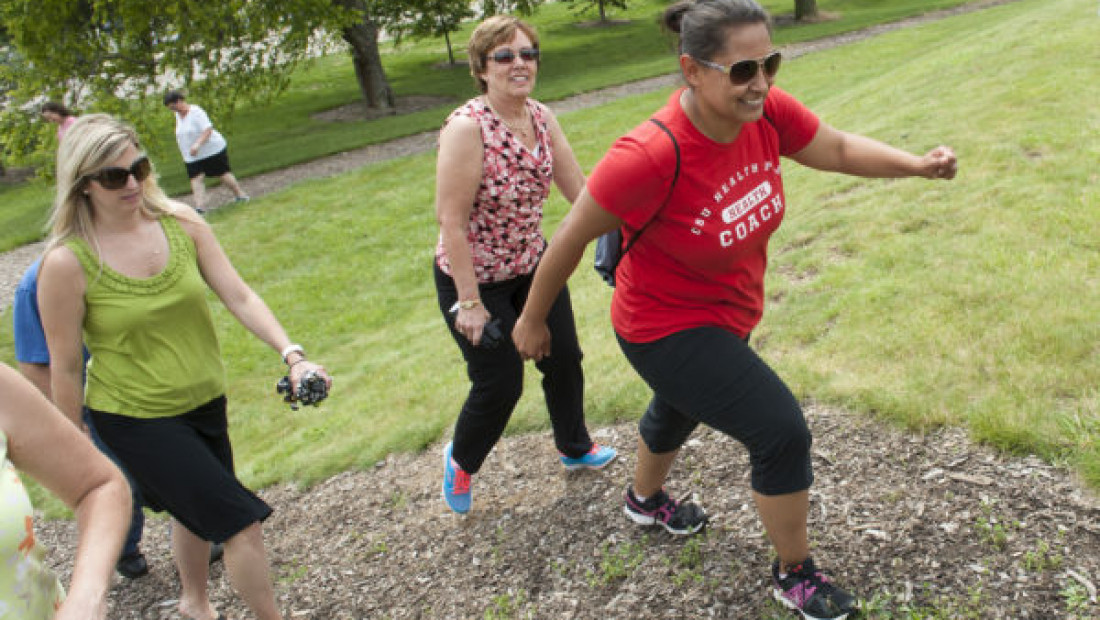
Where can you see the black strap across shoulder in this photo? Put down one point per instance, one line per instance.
(675, 177)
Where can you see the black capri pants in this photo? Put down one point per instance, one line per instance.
(184, 465)
(496, 375)
(710, 375)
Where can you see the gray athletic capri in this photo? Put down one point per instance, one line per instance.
(184, 465)
(710, 375)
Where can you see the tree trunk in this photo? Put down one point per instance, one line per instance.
(450, 50)
(603, 13)
(365, 57)
(805, 9)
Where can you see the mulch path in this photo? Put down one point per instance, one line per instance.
(908, 520)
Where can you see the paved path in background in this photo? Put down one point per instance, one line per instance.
(15, 262)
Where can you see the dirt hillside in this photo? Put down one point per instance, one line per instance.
(926, 521)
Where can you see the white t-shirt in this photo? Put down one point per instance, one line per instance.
(188, 130)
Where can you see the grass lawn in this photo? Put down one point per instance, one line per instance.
(577, 59)
(971, 303)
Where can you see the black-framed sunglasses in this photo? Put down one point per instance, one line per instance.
(116, 178)
(507, 56)
(743, 71)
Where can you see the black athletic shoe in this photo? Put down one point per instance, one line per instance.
(681, 517)
(808, 591)
(132, 566)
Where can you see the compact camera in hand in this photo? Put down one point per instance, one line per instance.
(311, 390)
(491, 335)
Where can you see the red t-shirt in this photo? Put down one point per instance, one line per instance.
(701, 261)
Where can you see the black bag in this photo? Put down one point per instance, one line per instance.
(609, 251)
(609, 247)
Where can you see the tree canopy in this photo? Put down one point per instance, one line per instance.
(430, 18)
(119, 56)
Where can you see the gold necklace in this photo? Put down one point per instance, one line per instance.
(523, 128)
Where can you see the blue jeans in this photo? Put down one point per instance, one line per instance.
(137, 518)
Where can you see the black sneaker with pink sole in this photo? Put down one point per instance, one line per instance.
(678, 517)
(806, 590)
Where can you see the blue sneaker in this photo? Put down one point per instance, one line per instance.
(596, 458)
(456, 483)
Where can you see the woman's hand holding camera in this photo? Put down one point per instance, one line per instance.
(471, 320)
(301, 368)
(303, 377)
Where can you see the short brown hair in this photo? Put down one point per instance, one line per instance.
(57, 108)
(494, 31)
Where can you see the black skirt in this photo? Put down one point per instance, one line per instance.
(183, 465)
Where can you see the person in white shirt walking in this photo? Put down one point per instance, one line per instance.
(205, 151)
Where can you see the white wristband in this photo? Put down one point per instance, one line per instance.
(294, 348)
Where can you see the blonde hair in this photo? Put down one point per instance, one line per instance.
(93, 142)
(494, 31)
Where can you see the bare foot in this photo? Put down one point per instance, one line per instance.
(203, 611)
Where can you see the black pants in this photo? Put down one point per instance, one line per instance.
(496, 374)
(711, 376)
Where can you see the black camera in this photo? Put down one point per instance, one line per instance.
(311, 390)
(491, 335)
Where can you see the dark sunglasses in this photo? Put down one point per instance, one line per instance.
(743, 71)
(116, 178)
(507, 56)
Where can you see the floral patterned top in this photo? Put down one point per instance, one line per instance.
(505, 230)
(28, 590)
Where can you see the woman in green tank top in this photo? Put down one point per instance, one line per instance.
(125, 273)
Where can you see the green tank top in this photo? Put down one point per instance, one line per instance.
(154, 351)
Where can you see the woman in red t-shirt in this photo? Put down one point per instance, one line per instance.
(690, 290)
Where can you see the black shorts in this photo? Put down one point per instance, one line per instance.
(709, 375)
(213, 166)
(183, 465)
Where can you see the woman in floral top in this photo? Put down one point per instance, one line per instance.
(37, 439)
(498, 155)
